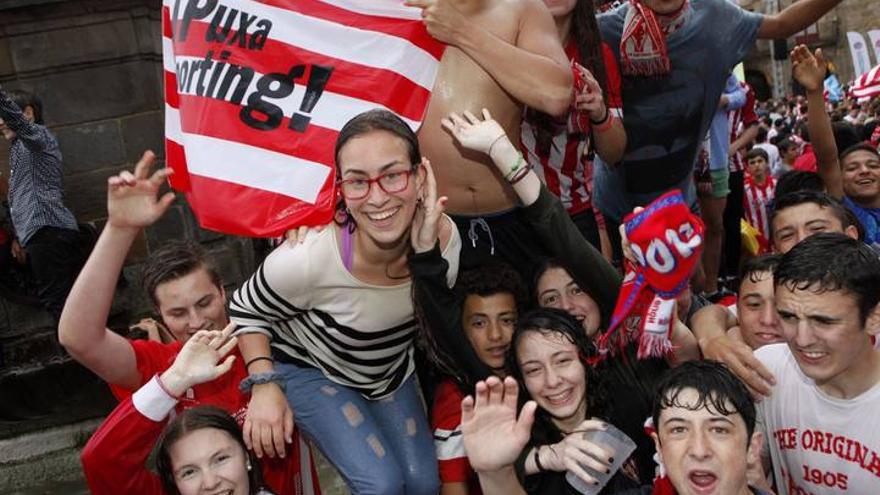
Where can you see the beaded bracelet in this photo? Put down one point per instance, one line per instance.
(260, 378)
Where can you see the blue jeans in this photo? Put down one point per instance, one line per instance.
(381, 447)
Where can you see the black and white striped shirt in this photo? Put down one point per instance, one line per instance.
(36, 190)
(316, 312)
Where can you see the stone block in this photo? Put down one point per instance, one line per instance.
(142, 132)
(7, 67)
(174, 224)
(91, 146)
(86, 193)
(93, 42)
(98, 93)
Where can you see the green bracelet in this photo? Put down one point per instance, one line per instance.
(512, 171)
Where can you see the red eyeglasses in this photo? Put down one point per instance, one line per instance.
(390, 182)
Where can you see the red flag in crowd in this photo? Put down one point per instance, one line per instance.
(867, 85)
(257, 90)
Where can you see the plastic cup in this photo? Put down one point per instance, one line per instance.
(612, 440)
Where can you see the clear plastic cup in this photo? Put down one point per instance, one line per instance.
(612, 440)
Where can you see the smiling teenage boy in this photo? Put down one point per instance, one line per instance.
(820, 419)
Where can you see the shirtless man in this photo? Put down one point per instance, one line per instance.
(503, 54)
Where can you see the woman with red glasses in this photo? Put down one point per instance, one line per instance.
(326, 326)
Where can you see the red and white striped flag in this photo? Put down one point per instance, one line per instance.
(257, 90)
(867, 85)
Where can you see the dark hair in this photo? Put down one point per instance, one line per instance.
(858, 147)
(802, 197)
(830, 262)
(488, 280)
(804, 130)
(758, 152)
(373, 120)
(175, 259)
(462, 363)
(551, 321)
(26, 99)
(759, 264)
(585, 34)
(761, 137)
(785, 144)
(798, 180)
(194, 419)
(717, 387)
(545, 264)
(845, 135)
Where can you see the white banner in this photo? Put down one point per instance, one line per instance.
(874, 36)
(859, 51)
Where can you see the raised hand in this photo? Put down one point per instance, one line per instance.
(808, 69)
(472, 133)
(426, 222)
(197, 362)
(589, 99)
(443, 21)
(493, 435)
(132, 199)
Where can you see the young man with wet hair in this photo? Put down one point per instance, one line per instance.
(705, 433)
(704, 422)
(819, 419)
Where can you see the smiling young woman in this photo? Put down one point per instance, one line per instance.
(328, 323)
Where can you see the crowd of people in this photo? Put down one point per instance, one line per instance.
(458, 328)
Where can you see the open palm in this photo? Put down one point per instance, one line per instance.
(132, 199)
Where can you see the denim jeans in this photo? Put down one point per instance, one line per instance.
(381, 447)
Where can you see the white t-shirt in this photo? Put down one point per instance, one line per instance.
(818, 444)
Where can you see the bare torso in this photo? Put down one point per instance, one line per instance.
(469, 179)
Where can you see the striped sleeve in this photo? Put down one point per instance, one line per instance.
(448, 440)
(267, 296)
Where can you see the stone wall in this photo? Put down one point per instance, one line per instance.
(97, 65)
(850, 15)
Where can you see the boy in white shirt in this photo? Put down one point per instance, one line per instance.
(821, 420)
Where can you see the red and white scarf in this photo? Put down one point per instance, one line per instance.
(667, 240)
(643, 49)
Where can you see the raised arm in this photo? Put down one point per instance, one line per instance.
(114, 460)
(493, 434)
(35, 137)
(794, 18)
(809, 70)
(439, 308)
(132, 204)
(534, 70)
(543, 211)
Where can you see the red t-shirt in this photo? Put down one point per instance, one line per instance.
(807, 161)
(293, 475)
(448, 442)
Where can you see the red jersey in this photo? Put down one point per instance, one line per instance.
(567, 167)
(807, 161)
(293, 475)
(756, 200)
(448, 442)
(740, 120)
